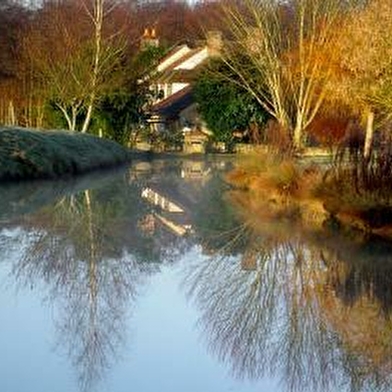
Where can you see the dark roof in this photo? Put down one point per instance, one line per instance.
(180, 75)
(171, 107)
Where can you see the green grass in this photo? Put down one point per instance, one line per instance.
(32, 154)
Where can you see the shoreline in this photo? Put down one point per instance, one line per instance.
(30, 154)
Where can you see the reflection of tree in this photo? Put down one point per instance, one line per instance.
(93, 248)
(361, 269)
(92, 280)
(215, 220)
(275, 310)
(93, 245)
(89, 249)
(264, 319)
(358, 307)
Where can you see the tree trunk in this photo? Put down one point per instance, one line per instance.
(98, 23)
(11, 114)
(67, 117)
(87, 119)
(297, 134)
(369, 133)
(93, 282)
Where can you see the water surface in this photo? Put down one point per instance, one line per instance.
(153, 278)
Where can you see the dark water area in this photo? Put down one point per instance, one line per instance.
(152, 278)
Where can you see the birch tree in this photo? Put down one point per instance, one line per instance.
(282, 47)
(75, 62)
(99, 58)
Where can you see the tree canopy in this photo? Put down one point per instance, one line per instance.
(76, 64)
(225, 106)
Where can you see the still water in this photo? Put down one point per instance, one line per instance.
(154, 278)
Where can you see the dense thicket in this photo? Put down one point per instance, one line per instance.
(78, 64)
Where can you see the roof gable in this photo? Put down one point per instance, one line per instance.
(173, 56)
(192, 59)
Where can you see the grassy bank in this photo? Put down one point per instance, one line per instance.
(277, 189)
(31, 154)
(355, 194)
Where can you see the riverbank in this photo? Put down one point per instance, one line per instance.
(353, 196)
(31, 154)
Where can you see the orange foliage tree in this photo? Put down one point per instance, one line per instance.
(13, 19)
(286, 67)
(365, 53)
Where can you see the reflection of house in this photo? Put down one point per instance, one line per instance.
(179, 227)
(194, 170)
(159, 200)
(174, 199)
(169, 213)
(174, 190)
(174, 107)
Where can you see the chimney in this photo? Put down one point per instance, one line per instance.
(149, 38)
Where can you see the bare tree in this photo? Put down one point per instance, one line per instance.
(104, 56)
(281, 47)
(75, 62)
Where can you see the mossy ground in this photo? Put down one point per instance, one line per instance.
(33, 154)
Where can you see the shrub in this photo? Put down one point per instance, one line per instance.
(28, 154)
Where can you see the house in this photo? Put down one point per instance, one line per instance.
(174, 108)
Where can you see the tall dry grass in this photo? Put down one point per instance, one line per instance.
(276, 186)
(358, 189)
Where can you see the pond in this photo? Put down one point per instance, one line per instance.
(154, 278)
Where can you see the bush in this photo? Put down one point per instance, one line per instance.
(28, 154)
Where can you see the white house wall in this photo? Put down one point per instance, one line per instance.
(176, 87)
(169, 89)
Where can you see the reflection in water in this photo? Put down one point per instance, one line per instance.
(314, 312)
(94, 248)
(91, 281)
(259, 313)
(312, 309)
(172, 215)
